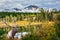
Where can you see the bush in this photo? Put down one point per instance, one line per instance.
(58, 17)
(31, 37)
(1, 32)
(46, 32)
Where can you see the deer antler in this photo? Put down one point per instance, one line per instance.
(6, 23)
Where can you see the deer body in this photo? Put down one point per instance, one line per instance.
(9, 35)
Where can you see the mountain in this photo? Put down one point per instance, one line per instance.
(31, 6)
(17, 9)
(11, 10)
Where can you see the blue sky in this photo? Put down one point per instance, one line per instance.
(24, 3)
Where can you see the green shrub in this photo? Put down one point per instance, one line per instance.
(1, 32)
(44, 33)
(58, 17)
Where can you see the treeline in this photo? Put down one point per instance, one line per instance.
(14, 16)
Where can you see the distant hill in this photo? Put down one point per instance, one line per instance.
(12, 10)
(17, 9)
(31, 6)
(30, 9)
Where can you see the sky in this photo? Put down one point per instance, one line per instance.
(24, 3)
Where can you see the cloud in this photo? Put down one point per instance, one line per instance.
(57, 2)
(10, 4)
(17, 5)
(22, 3)
(2, 1)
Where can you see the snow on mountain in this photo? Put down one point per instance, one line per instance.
(31, 8)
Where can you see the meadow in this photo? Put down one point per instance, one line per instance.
(43, 26)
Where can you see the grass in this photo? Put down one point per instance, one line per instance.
(25, 23)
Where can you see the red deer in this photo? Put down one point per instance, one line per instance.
(12, 32)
